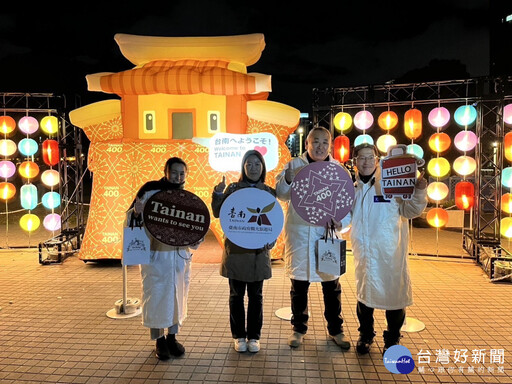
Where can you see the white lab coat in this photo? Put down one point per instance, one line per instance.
(165, 282)
(299, 236)
(380, 241)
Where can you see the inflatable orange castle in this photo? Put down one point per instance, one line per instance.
(186, 96)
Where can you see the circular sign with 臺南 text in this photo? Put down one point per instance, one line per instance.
(321, 191)
(251, 218)
(176, 217)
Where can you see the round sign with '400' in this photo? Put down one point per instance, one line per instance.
(321, 191)
(176, 217)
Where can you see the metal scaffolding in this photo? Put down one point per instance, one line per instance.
(489, 95)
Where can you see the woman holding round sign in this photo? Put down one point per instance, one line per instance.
(251, 219)
(319, 192)
(177, 221)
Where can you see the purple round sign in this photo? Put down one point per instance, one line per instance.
(321, 191)
(176, 217)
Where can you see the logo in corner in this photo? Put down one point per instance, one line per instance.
(398, 359)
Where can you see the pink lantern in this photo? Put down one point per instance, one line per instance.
(507, 114)
(363, 120)
(28, 125)
(52, 222)
(7, 169)
(439, 117)
(465, 141)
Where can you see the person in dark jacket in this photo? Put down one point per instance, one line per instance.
(245, 268)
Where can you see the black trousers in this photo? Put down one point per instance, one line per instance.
(394, 318)
(237, 309)
(332, 306)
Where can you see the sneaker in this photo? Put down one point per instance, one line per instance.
(253, 345)
(340, 341)
(175, 348)
(240, 345)
(162, 350)
(363, 344)
(295, 339)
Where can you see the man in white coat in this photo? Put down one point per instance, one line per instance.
(380, 239)
(299, 252)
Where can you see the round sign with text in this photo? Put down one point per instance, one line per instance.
(251, 218)
(176, 217)
(321, 191)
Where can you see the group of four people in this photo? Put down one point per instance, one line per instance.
(379, 238)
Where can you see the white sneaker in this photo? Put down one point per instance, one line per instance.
(240, 345)
(253, 345)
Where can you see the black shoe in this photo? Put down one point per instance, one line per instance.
(363, 344)
(390, 340)
(175, 348)
(162, 350)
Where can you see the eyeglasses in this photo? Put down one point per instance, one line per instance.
(365, 158)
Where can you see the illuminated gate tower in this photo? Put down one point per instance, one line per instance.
(181, 92)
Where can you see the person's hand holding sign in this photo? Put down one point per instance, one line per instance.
(421, 182)
(138, 207)
(219, 188)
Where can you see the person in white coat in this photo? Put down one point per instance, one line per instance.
(380, 238)
(165, 280)
(299, 250)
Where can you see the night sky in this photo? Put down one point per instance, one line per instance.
(326, 44)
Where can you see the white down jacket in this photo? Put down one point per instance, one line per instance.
(299, 236)
(380, 241)
(165, 282)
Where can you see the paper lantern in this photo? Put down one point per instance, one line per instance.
(438, 167)
(28, 169)
(7, 169)
(384, 142)
(437, 191)
(466, 141)
(416, 150)
(51, 200)
(7, 147)
(50, 177)
(363, 120)
(439, 142)
(342, 121)
(464, 195)
(28, 147)
(439, 117)
(52, 222)
(506, 177)
(28, 196)
(507, 146)
(506, 203)
(506, 227)
(465, 115)
(28, 125)
(387, 120)
(29, 222)
(7, 124)
(507, 114)
(464, 165)
(363, 139)
(342, 148)
(437, 217)
(7, 191)
(50, 152)
(413, 124)
(50, 125)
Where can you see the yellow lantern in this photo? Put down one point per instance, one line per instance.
(387, 120)
(342, 121)
(50, 177)
(49, 125)
(413, 124)
(506, 202)
(29, 222)
(464, 165)
(437, 217)
(438, 167)
(439, 142)
(384, 142)
(506, 227)
(507, 146)
(437, 191)
(28, 169)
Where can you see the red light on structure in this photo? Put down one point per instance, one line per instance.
(507, 146)
(50, 152)
(413, 124)
(7, 190)
(464, 195)
(7, 124)
(437, 217)
(342, 148)
(439, 142)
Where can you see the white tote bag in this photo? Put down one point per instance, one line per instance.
(331, 253)
(135, 245)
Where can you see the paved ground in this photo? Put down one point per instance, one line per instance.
(54, 327)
